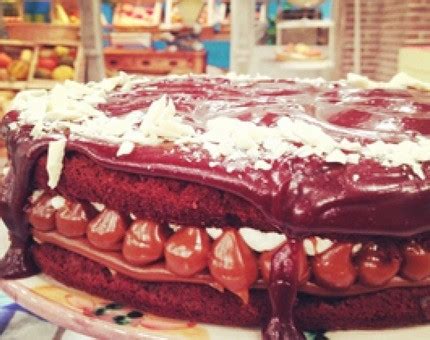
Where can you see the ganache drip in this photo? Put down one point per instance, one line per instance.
(18, 261)
(283, 292)
(14, 190)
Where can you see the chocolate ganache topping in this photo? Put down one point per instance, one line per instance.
(298, 191)
(315, 157)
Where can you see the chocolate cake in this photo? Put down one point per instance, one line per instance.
(288, 204)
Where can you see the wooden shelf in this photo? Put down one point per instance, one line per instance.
(155, 62)
(304, 23)
(23, 85)
(207, 33)
(308, 65)
(13, 85)
(31, 82)
(42, 31)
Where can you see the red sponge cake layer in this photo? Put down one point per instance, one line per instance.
(388, 308)
(159, 199)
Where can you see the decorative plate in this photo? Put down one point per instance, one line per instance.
(97, 317)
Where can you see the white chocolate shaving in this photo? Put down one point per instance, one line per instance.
(230, 142)
(36, 195)
(54, 164)
(261, 241)
(399, 81)
(57, 202)
(125, 148)
(98, 206)
(316, 245)
(4, 239)
(213, 232)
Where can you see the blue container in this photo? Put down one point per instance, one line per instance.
(325, 8)
(159, 45)
(218, 52)
(107, 12)
(37, 9)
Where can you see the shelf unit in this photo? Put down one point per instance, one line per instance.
(45, 31)
(248, 57)
(325, 66)
(304, 23)
(31, 81)
(155, 62)
(166, 24)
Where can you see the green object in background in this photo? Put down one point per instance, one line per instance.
(271, 32)
(39, 18)
(286, 6)
(190, 10)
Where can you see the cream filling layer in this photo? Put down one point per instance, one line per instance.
(257, 240)
(157, 272)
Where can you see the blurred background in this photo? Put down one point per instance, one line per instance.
(44, 42)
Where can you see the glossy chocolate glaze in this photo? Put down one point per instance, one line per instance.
(283, 293)
(299, 196)
(14, 191)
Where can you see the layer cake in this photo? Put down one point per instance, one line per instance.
(288, 204)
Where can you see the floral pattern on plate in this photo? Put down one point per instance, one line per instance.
(103, 319)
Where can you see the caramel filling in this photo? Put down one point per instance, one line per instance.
(148, 251)
(113, 260)
(159, 273)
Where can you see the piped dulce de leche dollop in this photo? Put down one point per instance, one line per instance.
(334, 268)
(73, 218)
(144, 242)
(42, 214)
(107, 230)
(233, 264)
(187, 252)
(378, 263)
(416, 260)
